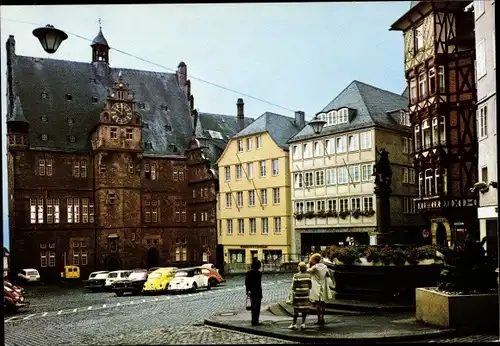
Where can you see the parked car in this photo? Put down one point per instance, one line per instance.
(133, 284)
(214, 278)
(158, 280)
(96, 281)
(16, 288)
(12, 300)
(29, 275)
(115, 276)
(152, 269)
(209, 266)
(189, 279)
(70, 273)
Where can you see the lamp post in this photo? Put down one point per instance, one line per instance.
(317, 124)
(50, 38)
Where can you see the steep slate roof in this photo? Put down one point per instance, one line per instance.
(372, 106)
(405, 92)
(99, 39)
(33, 76)
(226, 125)
(279, 127)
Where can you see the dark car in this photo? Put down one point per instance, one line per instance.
(133, 284)
(96, 281)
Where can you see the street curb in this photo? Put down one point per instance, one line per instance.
(313, 340)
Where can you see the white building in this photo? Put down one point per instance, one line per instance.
(484, 13)
(332, 183)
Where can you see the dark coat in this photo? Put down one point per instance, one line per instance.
(253, 284)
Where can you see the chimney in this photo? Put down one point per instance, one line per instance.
(300, 119)
(240, 114)
(182, 74)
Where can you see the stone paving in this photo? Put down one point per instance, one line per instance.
(163, 321)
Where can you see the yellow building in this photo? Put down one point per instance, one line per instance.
(254, 201)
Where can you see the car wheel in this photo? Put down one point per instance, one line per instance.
(194, 287)
(119, 293)
(209, 285)
(212, 282)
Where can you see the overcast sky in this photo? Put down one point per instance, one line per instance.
(298, 56)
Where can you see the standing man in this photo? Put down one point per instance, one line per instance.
(253, 284)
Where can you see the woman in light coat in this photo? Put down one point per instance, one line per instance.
(320, 290)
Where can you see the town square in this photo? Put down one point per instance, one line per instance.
(250, 173)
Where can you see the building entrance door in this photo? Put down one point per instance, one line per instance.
(153, 259)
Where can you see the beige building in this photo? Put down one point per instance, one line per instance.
(484, 13)
(333, 191)
(254, 204)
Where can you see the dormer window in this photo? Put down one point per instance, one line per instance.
(45, 137)
(331, 118)
(141, 105)
(44, 118)
(168, 128)
(72, 139)
(145, 125)
(172, 148)
(148, 145)
(164, 108)
(404, 118)
(44, 95)
(94, 99)
(343, 116)
(69, 97)
(71, 121)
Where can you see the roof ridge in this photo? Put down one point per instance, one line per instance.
(90, 64)
(374, 87)
(336, 97)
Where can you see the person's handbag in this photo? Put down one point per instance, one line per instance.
(248, 303)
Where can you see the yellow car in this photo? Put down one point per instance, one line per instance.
(159, 280)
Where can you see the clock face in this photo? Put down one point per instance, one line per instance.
(121, 113)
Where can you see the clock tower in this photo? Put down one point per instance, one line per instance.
(116, 145)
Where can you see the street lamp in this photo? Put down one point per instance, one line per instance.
(50, 38)
(317, 124)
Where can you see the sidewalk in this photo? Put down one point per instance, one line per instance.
(389, 327)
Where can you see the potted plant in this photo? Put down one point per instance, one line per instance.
(343, 214)
(368, 213)
(331, 213)
(356, 213)
(466, 288)
(310, 215)
(321, 214)
(299, 216)
(372, 254)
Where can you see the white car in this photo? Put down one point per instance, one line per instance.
(29, 275)
(189, 279)
(115, 276)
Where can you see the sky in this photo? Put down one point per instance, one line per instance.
(295, 55)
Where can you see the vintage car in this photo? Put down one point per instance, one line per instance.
(12, 300)
(214, 278)
(96, 281)
(152, 269)
(158, 280)
(116, 276)
(133, 284)
(189, 279)
(29, 275)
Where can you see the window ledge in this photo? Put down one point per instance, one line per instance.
(480, 139)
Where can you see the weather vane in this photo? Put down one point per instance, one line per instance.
(100, 22)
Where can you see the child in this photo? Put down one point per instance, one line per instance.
(300, 291)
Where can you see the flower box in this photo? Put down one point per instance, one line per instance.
(472, 311)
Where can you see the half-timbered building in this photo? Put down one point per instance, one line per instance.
(109, 168)
(439, 56)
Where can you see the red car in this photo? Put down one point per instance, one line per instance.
(16, 288)
(214, 277)
(12, 300)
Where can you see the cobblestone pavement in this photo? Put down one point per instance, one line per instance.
(59, 317)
